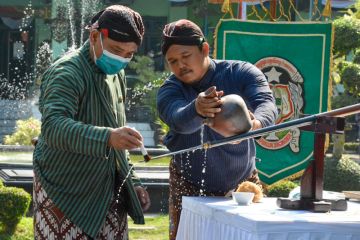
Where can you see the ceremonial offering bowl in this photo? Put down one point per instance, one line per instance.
(243, 198)
(233, 119)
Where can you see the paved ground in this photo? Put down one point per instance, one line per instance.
(161, 173)
(353, 156)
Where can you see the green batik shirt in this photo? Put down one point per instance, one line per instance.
(79, 104)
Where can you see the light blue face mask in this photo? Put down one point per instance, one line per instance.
(108, 62)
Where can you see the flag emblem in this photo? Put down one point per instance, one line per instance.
(286, 84)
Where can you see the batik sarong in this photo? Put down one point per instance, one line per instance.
(51, 224)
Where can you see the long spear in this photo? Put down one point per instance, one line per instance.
(300, 122)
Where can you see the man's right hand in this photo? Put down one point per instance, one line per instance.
(125, 138)
(208, 103)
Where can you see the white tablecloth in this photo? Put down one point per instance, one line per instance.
(219, 218)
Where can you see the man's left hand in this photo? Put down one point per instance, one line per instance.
(143, 197)
(256, 124)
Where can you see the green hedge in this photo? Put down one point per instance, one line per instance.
(341, 175)
(352, 146)
(14, 204)
(281, 188)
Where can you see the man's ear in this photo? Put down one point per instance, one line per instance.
(94, 36)
(206, 48)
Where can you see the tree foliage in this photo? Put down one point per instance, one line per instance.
(145, 70)
(25, 131)
(347, 35)
(346, 70)
(143, 90)
(357, 56)
(350, 76)
(347, 57)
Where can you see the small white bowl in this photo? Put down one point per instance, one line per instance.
(243, 198)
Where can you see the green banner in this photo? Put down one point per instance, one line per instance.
(295, 58)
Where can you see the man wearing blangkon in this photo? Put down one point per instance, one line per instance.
(84, 186)
(184, 104)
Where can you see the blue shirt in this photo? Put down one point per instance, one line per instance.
(220, 168)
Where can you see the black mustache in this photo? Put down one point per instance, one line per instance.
(184, 71)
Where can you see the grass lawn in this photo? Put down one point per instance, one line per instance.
(156, 228)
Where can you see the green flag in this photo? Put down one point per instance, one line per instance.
(295, 58)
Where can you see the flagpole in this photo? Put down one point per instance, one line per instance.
(273, 10)
(240, 13)
(311, 10)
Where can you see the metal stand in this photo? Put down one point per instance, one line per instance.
(311, 189)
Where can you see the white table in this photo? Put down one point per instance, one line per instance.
(219, 218)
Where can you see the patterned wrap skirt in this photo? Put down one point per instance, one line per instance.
(51, 224)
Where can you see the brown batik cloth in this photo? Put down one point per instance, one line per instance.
(180, 187)
(51, 224)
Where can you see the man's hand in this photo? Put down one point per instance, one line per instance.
(125, 138)
(143, 197)
(256, 124)
(208, 103)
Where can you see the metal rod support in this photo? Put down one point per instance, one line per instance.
(300, 122)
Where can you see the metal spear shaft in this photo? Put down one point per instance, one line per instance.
(301, 122)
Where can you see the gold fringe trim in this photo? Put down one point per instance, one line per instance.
(215, 38)
(327, 9)
(292, 177)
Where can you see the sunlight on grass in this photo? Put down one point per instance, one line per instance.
(155, 228)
